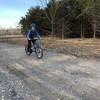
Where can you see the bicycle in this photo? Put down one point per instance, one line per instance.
(35, 48)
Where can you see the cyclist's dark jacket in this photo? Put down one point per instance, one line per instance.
(31, 34)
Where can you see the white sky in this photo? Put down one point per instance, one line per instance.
(11, 11)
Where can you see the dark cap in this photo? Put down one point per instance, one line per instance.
(32, 25)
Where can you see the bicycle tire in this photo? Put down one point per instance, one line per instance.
(38, 51)
(26, 50)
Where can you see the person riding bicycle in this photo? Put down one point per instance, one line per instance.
(31, 35)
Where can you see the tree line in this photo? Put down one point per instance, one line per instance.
(65, 18)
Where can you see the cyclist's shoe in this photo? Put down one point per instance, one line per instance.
(30, 50)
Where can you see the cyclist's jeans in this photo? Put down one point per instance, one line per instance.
(29, 44)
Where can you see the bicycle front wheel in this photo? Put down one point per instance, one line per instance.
(39, 52)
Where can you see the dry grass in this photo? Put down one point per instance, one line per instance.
(77, 47)
(15, 39)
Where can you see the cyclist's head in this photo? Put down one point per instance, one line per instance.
(32, 25)
(33, 28)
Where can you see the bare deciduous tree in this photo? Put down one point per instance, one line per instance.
(50, 12)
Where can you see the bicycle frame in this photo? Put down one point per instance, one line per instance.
(36, 45)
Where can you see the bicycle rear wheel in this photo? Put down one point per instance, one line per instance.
(39, 52)
(27, 51)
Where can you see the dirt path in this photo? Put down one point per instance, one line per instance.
(55, 77)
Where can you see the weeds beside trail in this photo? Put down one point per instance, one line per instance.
(89, 48)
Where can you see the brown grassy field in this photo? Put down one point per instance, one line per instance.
(78, 47)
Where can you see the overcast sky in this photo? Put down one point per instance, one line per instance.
(12, 10)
